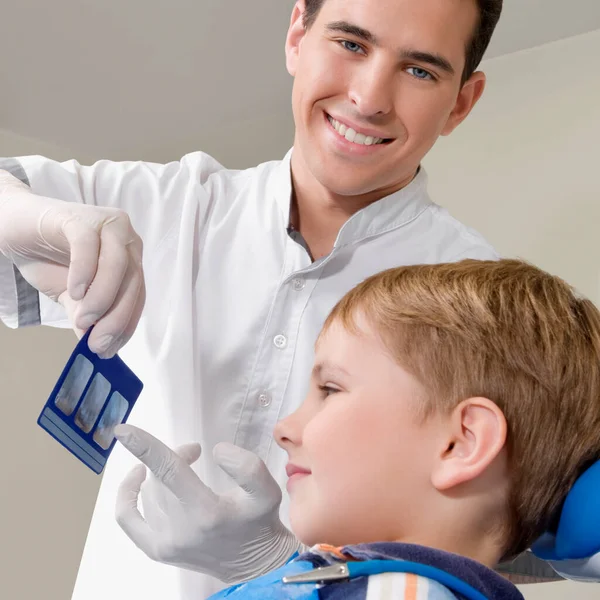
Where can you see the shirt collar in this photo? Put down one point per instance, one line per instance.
(485, 580)
(282, 189)
(386, 214)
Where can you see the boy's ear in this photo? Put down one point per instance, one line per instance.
(475, 437)
(294, 37)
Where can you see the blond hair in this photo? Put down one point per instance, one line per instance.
(507, 331)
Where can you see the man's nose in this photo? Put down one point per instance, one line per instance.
(372, 90)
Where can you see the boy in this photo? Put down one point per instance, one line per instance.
(451, 408)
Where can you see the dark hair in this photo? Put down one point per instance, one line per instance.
(489, 15)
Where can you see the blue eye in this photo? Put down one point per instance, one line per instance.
(351, 46)
(420, 73)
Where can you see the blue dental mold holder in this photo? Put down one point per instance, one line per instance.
(92, 442)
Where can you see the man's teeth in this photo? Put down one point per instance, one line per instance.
(352, 136)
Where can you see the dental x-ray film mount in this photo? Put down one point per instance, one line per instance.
(91, 397)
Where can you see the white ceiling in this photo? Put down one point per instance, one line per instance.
(149, 79)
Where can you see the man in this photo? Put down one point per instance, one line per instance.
(241, 268)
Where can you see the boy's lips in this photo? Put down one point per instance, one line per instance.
(292, 470)
(295, 473)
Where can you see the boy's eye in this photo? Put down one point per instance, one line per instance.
(351, 46)
(419, 73)
(328, 390)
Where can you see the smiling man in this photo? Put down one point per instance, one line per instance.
(376, 84)
(239, 270)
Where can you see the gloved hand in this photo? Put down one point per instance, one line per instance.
(234, 537)
(87, 258)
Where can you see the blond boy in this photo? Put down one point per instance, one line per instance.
(450, 410)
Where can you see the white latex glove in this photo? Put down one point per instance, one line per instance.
(88, 258)
(234, 537)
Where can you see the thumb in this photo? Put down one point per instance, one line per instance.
(71, 307)
(247, 470)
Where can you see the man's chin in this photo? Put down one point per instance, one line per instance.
(347, 186)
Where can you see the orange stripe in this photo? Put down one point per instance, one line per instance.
(412, 583)
(332, 550)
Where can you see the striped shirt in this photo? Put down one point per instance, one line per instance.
(383, 586)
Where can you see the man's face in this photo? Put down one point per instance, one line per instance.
(389, 71)
(359, 458)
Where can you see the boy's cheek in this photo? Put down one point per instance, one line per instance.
(316, 436)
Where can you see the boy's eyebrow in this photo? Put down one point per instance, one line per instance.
(430, 58)
(328, 368)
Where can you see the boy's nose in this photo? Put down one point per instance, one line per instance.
(288, 432)
(281, 434)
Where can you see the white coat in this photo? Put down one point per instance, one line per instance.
(234, 305)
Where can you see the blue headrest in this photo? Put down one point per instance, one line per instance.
(578, 532)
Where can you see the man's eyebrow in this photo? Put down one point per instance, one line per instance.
(435, 60)
(355, 30)
(430, 58)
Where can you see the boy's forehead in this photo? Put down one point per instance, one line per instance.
(326, 333)
(336, 351)
(337, 337)
(331, 334)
